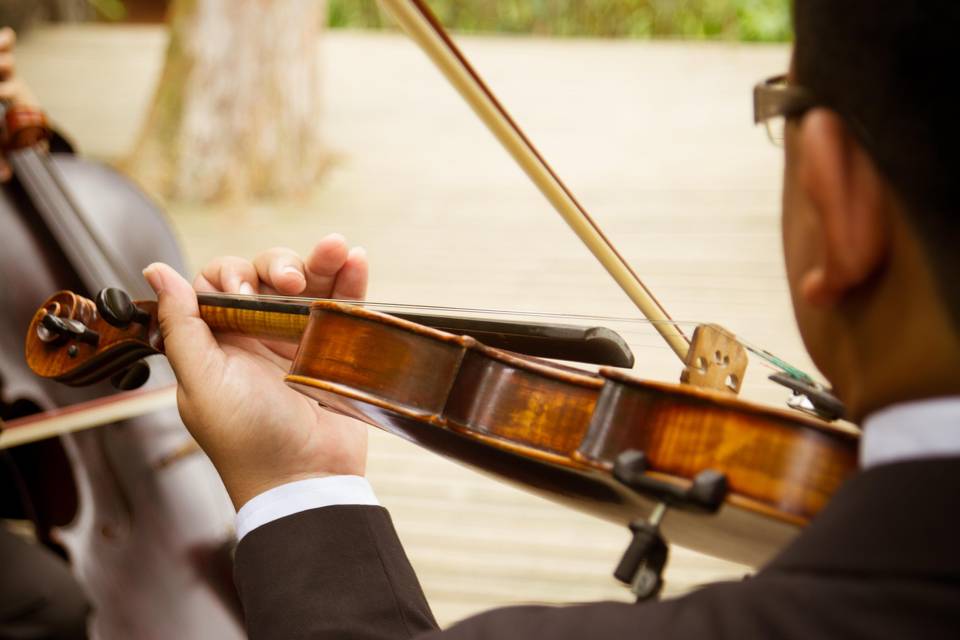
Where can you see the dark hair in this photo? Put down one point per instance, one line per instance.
(887, 68)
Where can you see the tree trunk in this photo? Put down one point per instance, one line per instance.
(236, 113)
(20, 15)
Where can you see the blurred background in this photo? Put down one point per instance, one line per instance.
(751, 20)
(259, 123)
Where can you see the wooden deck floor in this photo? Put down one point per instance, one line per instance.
(655, 139)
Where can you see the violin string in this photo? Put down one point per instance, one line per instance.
(456, 310)
(767, 359)
(64, 218)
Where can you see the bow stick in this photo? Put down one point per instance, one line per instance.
(85, 415)
(418, 21)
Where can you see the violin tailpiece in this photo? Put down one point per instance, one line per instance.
(716, 360)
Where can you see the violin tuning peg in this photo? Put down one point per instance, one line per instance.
(630, 466)
(54, 329)
(133, 377)
(116, 307)
(709, 490)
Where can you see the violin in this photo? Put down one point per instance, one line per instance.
(605, 442)
(116, 500)
(558, 430)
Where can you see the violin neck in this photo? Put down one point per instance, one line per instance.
(272, 318)
(256, 318)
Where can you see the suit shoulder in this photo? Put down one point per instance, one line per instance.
(692, 616)
(785, 605)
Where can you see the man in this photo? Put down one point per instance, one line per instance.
(870, 231)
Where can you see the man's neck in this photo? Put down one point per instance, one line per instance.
(896, 342)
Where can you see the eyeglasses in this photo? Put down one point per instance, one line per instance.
(775, 101)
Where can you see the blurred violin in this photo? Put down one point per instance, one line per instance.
(103, 496)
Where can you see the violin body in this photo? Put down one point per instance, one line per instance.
(149, 543)
(558, 430)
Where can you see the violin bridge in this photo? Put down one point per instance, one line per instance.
(716, 360)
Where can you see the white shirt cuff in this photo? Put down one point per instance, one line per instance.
(303, 495)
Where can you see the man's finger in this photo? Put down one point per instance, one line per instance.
(282, 269)
(8, 38)
(202, 285)
(231, 274)
(351, 282)
(280, 353)
(322, 265)
(192, 350)
(16, 92)
(7, 65)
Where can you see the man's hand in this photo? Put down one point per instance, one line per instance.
(258, 432)
(12, 90)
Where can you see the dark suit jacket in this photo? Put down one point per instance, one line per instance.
(881, 561)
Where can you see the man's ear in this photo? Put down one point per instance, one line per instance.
(849, 200)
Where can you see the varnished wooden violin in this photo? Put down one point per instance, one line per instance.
(549, 427)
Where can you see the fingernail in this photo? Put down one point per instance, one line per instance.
(357, 252)
(291, 270)
(152, 275)
(246, 289)
(336, 236)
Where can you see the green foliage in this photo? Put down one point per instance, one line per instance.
(764, 20)
(730, 19)
(109, 9)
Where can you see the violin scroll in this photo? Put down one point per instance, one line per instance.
(77, 341)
